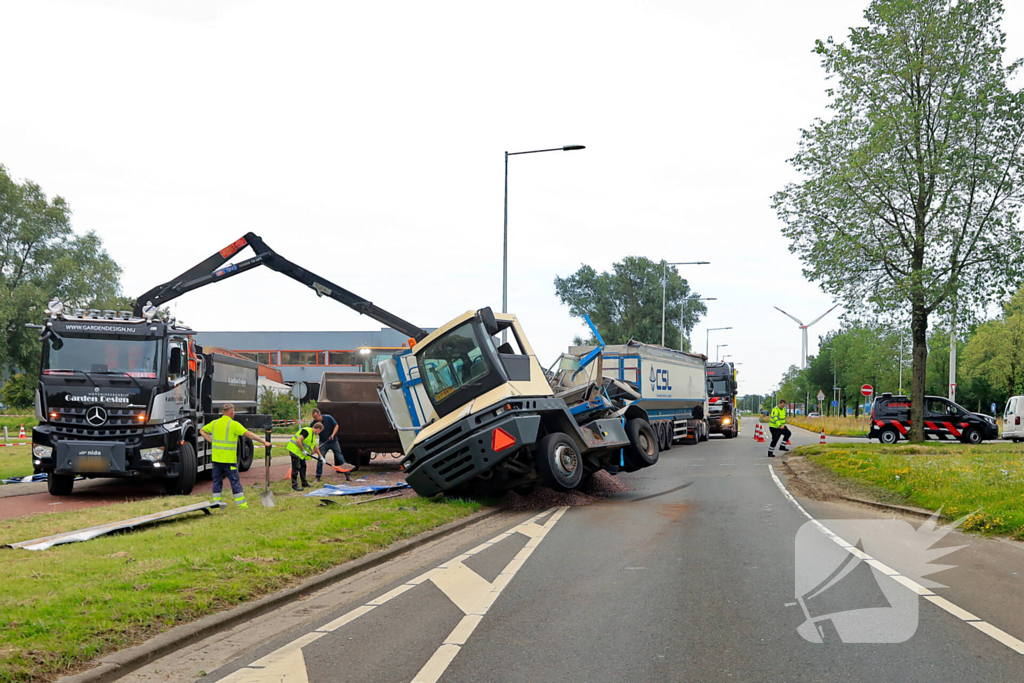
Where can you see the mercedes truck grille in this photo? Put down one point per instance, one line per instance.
(81, 423)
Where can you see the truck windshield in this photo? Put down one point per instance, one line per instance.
(720, 387)
(452, 362)
(134, 357)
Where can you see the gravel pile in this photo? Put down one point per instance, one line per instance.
(601, 485)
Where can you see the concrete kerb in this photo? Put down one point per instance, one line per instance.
(118, 664)
(920, 512)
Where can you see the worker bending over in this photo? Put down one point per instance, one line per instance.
(302, 447)
(223, 434)
(777, 426)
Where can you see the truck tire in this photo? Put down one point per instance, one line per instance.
(559, 462)
(666, 442)
(363, 459)
(642, 450)
(60, 484)
(182, 484)
(245, 454)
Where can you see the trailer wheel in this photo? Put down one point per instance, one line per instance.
(182, 485)
(245, 454)
(642, 450)
(60, 484)
(666, 440)
(559, 463)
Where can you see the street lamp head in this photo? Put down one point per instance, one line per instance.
(572, 148)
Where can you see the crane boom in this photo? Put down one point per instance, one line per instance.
(211, 270)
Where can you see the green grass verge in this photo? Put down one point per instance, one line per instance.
(62, 607)
(14, 422)
(15, 461)
(986, 480)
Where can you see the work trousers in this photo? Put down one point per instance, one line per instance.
(777, 432)
(229, 470)
(334, 447)
(299, 470)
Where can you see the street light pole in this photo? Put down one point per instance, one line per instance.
(681, 310)
(664, 279)
(717, 349)
(707, 340)
(504, 256)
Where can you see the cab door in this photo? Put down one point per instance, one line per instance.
(937, 419)
(1011, 418)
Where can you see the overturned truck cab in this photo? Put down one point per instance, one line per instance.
(480, 416)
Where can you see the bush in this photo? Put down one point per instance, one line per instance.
(19, 392)
(282, 406)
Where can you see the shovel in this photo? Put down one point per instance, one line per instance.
(266, 495)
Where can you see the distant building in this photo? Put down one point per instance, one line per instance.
(305, 356)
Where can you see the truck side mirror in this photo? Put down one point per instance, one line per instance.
(174, 367)
(487, 318)
(710, 389)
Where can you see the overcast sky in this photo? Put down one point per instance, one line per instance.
(365, 140)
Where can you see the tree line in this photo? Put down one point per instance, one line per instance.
(42, 257)
(989, 369)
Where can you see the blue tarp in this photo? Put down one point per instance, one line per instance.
(31, 478)
(354, 490)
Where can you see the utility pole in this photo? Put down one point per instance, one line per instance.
(952, 354)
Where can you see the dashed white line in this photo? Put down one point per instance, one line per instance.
(992, 631)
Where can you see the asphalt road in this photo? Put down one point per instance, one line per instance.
(692, 576)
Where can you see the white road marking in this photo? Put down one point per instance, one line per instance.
(993, 632)
(470, 592)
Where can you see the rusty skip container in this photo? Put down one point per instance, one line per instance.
(363, 428)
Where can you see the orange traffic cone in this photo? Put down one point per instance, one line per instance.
(757, 430)
(21, 434)
(759, 433)
(822, 439)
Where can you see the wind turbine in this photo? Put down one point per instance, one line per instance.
(803, 328)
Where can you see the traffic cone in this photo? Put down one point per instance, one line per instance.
(757, 430)
(759, 433)
(822, 439)
(21, 434)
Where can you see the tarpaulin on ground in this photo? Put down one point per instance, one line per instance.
(93, 532)
(354, 490)
(31, 478)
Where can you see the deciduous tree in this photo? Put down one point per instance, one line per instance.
(911, 186)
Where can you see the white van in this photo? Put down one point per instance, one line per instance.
(1013, 419)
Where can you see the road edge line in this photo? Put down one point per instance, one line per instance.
(122, 662)
(992, 631)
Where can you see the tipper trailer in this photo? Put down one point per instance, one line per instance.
(670, 385)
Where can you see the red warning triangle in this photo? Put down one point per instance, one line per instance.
(500, 439)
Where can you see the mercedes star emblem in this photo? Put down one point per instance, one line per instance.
(96, 416)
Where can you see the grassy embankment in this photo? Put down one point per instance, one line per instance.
(62, 607)
(833, 425)
(986, 480)
(15, 461)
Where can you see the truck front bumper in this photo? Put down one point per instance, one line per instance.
(460, 453)
(105, 457)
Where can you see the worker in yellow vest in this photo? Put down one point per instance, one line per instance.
(777, 426)
(223, 434)
(302, 446)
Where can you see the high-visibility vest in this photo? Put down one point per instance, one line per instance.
(778, 417)
(308, 438)
(225, 433)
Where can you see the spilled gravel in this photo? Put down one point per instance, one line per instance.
(600, 485)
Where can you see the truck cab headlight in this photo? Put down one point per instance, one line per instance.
(40, 451)
(726, 420)
(152, 454)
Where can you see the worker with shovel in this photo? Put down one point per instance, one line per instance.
(303, 447)
(223, 434)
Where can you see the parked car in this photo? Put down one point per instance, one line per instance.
(1012, 427)
(943, 421)
(810, 415)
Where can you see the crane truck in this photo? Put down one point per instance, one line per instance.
(124, 394)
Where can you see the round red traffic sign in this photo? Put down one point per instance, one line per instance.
(867, 390)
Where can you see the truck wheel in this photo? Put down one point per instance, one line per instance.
(363, 459)
(60, 484)
(182, 485)
(558, 462)
(972, 436)
(245, 454)
(667, 442)
(642, 450)
(888, 435)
